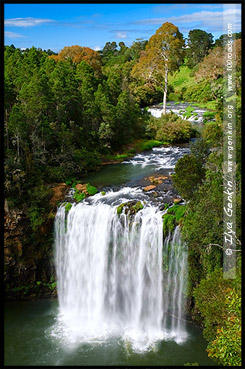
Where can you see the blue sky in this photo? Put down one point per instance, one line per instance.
(53, 26)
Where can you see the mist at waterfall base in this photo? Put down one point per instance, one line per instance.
(111, 277)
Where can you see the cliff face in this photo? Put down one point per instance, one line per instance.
(29, 271)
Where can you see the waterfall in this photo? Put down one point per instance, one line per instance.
(117, 276)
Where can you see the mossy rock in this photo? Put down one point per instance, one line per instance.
(169, 223)
(91, 189)
(120, 208)
(173, 217)
(79, 196)
(84, 190)
(68, 207)
(103, 193)
(131, 207)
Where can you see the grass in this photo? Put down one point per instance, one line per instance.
(212, 105)
(148, 144)
(130, 150)
(181, 78)
(173, 217)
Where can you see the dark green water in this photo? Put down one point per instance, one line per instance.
(28, 340)
(116, 174)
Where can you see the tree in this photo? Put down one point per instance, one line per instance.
(78, 54)
(163, 54)
(222, 41)
(212, 66)
(198, 44)
(189, 174)
(109, 50)
(227, 345)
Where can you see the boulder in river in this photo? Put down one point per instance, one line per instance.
(149, 188)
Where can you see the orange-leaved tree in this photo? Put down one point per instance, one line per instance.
(163, 54)
(78, 54)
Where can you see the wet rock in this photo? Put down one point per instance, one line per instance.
(157, 179)
(149, 188)
(59, 192)
(177, 200)
(130, 207)
(82, 188)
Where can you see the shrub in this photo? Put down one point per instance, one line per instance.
(169, 223)
(148, 145)
(213, 133)
(226, 347)
(189, 173)
(170, 128)
(68, 207)
(173, 217)
(91, 189)
(79, 196)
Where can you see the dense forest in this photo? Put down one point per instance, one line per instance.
(68, 113)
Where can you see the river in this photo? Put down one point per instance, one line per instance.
(119, 303)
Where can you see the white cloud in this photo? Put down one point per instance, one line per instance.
(97, 48)
(121, 35)
(26, 22)
(205, 19)
(9, 34)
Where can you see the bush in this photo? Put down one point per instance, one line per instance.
(78, 196)
(198, 92)
(173, 217)
(189, 174)
(213, 133)
(148, 145)
(39, 206)
(91, 189)
(170, 128)
(226, 348)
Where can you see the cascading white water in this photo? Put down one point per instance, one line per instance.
(111, 275)
(175, 273)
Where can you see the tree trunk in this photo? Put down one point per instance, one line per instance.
(165, 91)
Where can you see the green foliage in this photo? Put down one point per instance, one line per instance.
(219, 301)
(191, 364)
(173, 217)
(199, 42)
(170, 128)
(189, 174)
(138, 206)
(200, 148)
(213, 133)
(68, 207)
(51, 285)
(208, 114)
(130, 207)
(188, 113)
(210, 300)
(39, 207)
(226, 348)
(120, 208)
(149, 144)
(91, 189)
(198, 92)
(103, 193)
(79, 196)
(168, 224)
(59, 118)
